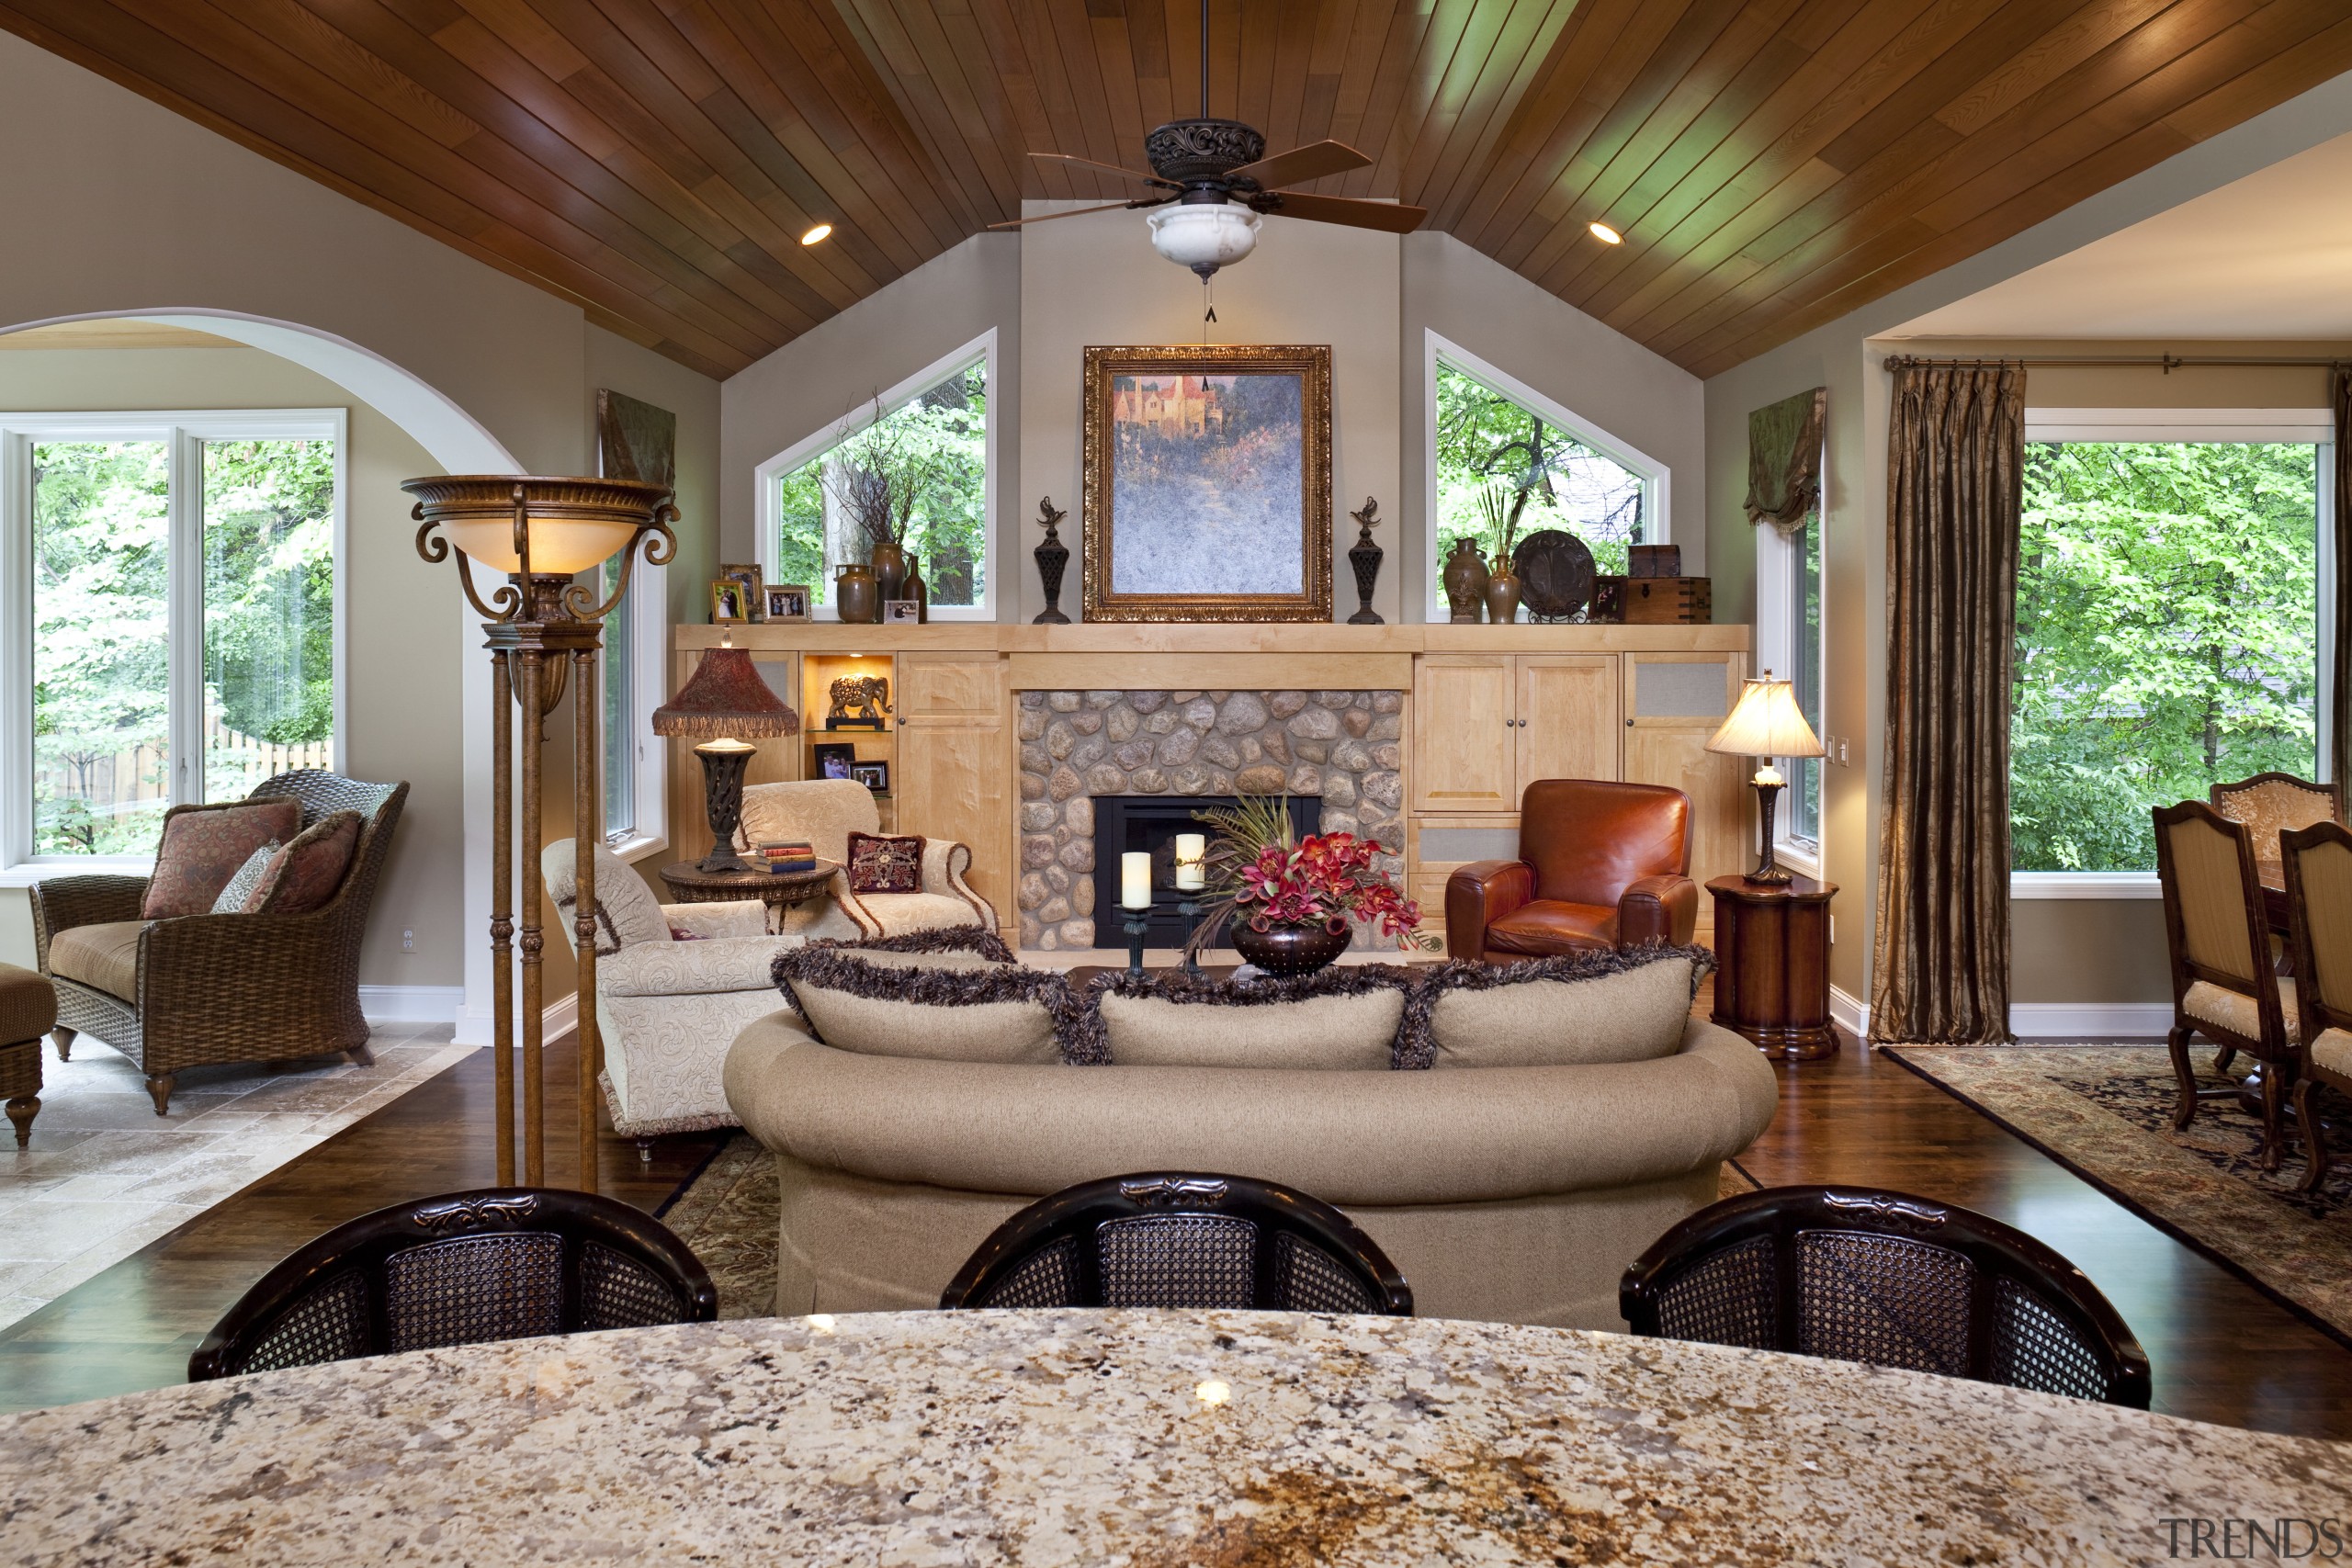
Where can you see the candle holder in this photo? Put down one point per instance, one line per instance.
(1189, 907)
(1138, 921)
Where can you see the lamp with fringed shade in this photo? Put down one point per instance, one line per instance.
(725, 701)
(1765, 724)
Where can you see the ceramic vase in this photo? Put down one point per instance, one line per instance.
(1288, 950)
(917, 590)
(889, 565)
(1465, 581)
(853, 595)
(1502, 593)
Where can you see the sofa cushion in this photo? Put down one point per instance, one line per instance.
(304, 874)
(875, 1004)
(1549, 925)
(1341, 1019)
(1576, 1010)
(204, 845)
(105, 957)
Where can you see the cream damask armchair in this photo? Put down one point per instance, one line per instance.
(824, 813)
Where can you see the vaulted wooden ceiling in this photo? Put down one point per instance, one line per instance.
(1772, 163)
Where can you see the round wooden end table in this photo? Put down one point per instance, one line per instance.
(777, 889)
(1773, 964)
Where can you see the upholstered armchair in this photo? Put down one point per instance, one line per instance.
(823, 813)
(1600, 865)
(2275, 803)
(2317, 860)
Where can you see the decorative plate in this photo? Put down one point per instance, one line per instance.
(1554, 573)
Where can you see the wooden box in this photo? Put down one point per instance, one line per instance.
(1654, 601)
(1654, 560)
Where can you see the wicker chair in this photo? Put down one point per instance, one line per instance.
(2273, 802)
(2223, 986)
(2318, 862)
(1177, 1239)
(462, 1269)
(1857, 1275)
(216, 988)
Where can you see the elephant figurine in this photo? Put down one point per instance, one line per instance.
(859, 702)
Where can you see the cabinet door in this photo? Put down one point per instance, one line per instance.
(1673, 703)
(1567, 717)
(955, 762)
(1464, 752)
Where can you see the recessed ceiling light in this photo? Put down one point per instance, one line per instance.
(819, 232)
(1605, 234)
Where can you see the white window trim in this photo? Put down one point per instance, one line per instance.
(980, 350)
(647, 608)
(183, 431)
(2315, 425)
(1775, 565)
(1655, 477)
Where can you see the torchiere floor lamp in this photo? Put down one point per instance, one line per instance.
(542, 533)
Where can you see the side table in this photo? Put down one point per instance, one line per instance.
(1773, 964)
(777, 889)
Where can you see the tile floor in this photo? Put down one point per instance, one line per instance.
(104, 1175)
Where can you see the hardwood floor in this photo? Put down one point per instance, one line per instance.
(2222, 1351)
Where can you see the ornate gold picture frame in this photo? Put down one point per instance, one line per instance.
(1209, 483)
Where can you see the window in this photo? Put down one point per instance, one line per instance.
(620, 707)
(2169, 628)
(182, 643)
(1789, 644)
(1504, 457)
(926, 445)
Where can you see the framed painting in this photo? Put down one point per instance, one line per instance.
(1209, 483)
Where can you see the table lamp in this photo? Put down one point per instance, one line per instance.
(1765, 724)
(725, 701)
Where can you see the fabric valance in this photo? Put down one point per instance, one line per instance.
(1784, 460)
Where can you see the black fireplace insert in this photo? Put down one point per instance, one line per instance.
(1125, 823)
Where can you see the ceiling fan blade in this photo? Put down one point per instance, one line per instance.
(1300, 165)
(1387, 216)
(1106, 168)
(1082, 211)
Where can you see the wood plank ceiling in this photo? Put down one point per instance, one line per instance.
(1772, 163)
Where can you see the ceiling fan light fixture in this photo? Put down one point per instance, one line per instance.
(1604, 233)
(1205, 236)
(819, 232)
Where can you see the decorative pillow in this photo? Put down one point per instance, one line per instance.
(304, 874)
(1342, 1019)
(880, 1003)
(1576, 1010)
(878, 863)
(240, 887)
(204, 846)
(677, 933)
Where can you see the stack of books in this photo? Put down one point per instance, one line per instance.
(787, 857)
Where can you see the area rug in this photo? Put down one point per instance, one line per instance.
(2104, 1113)
(727, 1212)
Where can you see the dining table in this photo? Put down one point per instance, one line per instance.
(1131, 1437)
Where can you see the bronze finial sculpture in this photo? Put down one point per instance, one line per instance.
(1053, 560)
(1364, 557)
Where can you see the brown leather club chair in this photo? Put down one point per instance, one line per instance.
(1600, 865)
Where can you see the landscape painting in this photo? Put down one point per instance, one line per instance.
(1209, 483)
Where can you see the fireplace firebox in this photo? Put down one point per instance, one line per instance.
(1125, 823)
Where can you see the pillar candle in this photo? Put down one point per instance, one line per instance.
(1134, 880)
(1192, 850)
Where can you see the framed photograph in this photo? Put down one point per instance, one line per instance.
(835, 759)
(901, 612)
(1209, 483)
(787, 601)
(755, 606)
(874, 777)
(727, 602)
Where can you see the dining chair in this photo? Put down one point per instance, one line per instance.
(2318, 863)
(1856, 1274)
(2223, 986)
(2274, 803)
(1181, 1239)
(494, 1263)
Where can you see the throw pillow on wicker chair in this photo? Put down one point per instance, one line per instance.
(304, 874)
(203, 846)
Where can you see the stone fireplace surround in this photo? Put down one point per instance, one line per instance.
(1343, 746)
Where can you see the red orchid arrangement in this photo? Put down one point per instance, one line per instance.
(1264, 874)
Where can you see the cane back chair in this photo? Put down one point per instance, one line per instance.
(237, 987)
(2271, 803)
(462, 1269)
(2318, 863)
(2224, 984)
(1854, 1274)
(1179, 1239)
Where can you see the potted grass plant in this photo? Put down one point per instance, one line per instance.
(1290, 901)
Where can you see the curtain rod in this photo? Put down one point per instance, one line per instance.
(2167, 363)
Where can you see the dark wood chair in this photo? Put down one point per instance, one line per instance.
(1854, 1274)
(2224, 984)
(495, 1263)
(2318, 863)
(2271, 803)
(1181, 1240)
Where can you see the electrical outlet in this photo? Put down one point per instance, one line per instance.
(408, 942)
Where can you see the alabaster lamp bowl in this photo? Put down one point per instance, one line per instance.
(569, 525)
(1765, 724)
(725, 701)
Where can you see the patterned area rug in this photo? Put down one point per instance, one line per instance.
(728, 1211)
(2104, 1111)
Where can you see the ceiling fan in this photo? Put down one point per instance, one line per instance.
(1221, 180)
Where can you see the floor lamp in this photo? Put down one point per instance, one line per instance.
(542, 533)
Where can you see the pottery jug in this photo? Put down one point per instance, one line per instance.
(853, 595)
(1502, 593)
(1465, 579)
(889, 572)
(917, 590)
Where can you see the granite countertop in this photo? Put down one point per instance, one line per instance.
(1127, 1437)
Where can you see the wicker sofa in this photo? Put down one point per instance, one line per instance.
(207, 990)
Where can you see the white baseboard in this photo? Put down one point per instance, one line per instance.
(410, 1004)
(2090, 1021)
(1853, 1017)
(558, 1017)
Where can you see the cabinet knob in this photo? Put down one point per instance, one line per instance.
(1629, 724)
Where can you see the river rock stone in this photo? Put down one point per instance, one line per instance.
(1079, 814)
(1242, 714)
(1161, 721)
(1033, 699)
(1388, 701)
(1087, 723)
(1339, 821)
(1282, 705)
(1384, 789)
(1147, 780)
(1357, 722)
(1034, 758)
(1082, 894)
(1133, 755)
(1335, 700)
(1033, 891)
(1200, 713)
(1033, 720)
(1260, 781)
(1053, 912)
(1190, 781)
(1037, 850)
(1350, 755)
(1105, 779)
(1063, 702)
(1311, 751)
(1037, 816)
(1146, 702)
(1078, 933)
(1277, 746)
(1339, 791)
(1221, 750)
(1178, 748)
(1033, 787)
(1089, 752)
(1120, 723)
(1060, 738)
(1049, 940)
(1057, 878)
(1099, 699)
(1220, 782)
(1388, 726)
(1078, 854)
(1388, 755)
(1305, 780)
(1064, 783)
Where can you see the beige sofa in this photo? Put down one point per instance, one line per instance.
(1517, 1194)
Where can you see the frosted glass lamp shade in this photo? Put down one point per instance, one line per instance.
(1205, 236)
(574, 524)
(1767, 722)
